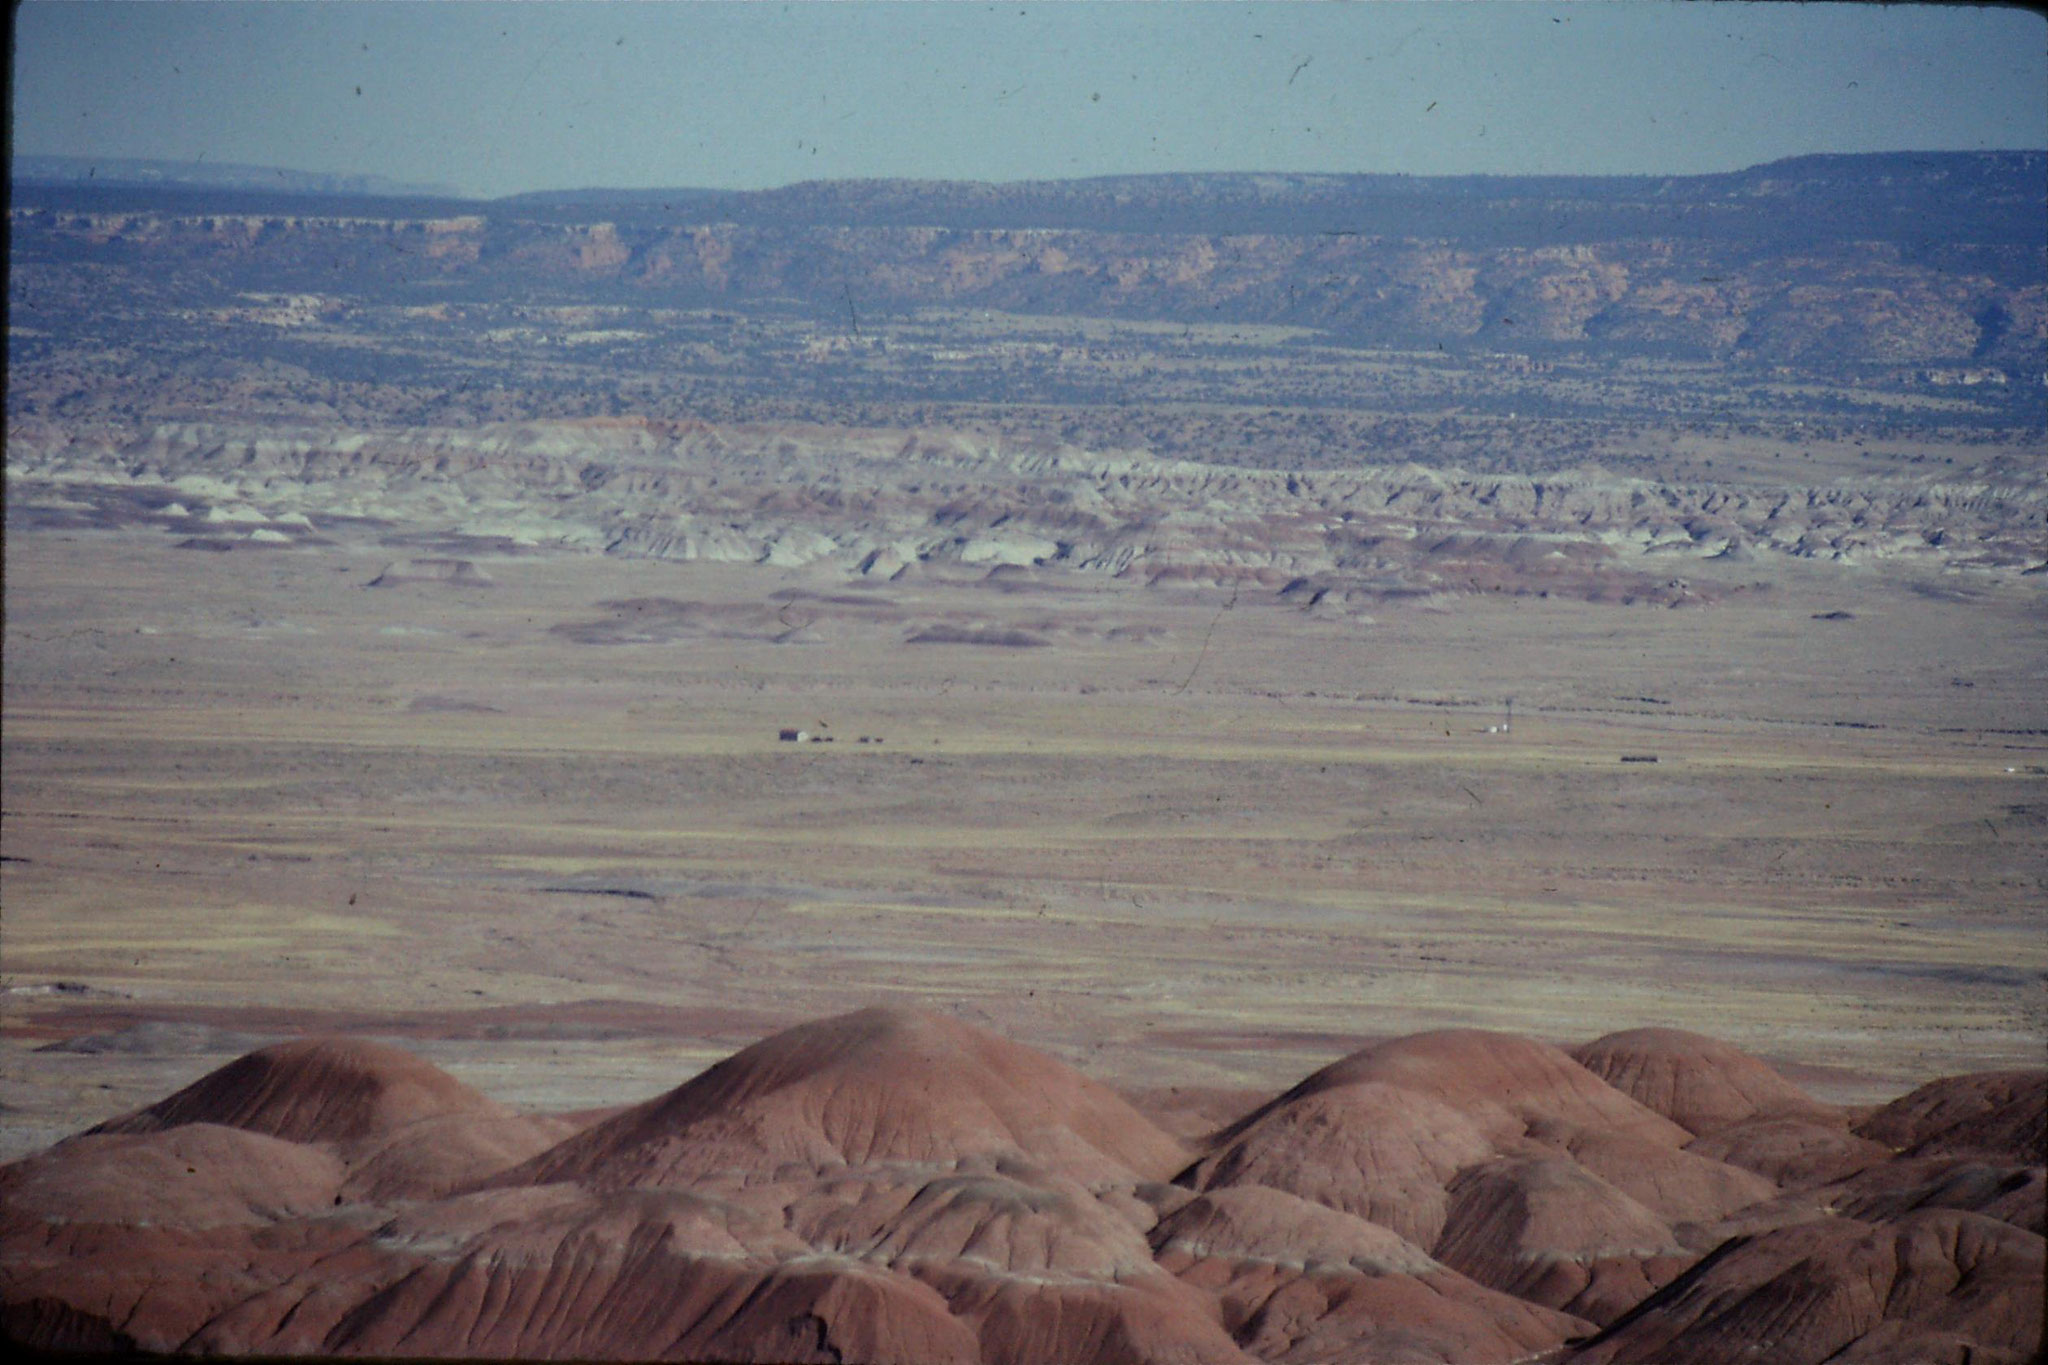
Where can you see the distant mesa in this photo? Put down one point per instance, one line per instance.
(154, 172)
(460, 573)
(896, 1187)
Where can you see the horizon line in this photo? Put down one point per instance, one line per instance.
(401, 189)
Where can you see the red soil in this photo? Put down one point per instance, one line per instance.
(893, 1186)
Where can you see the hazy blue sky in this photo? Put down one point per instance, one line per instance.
(494, 98)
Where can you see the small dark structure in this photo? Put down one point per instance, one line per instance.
(1639, 758)
(789, 736)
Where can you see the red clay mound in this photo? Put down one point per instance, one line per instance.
(1936, 1286)
(1193, 1113)
(1254, 1225)
(833, 1313)
(561, 1264)
(315, 1090)
(1016, 1223)
(528, 1223)
(1380, 1133)
(1678, 1186)
(1148, 1320)
(438, 1156)
(52, 1326)
(1501, 1082)
(1699, 1083)
(155, 1286)
(638, 1300)
(1378, 1151)
(197, 1176)
(1041, 1267)
(151, 1234)
(1547, 1230)
(406, 1129)
(1887, 1191)
(1792, 1152)
(2011, 1194)
(1990, 1113)
(1298, 1281)
(881, 1084)
(556, 1270)
(892, 1186)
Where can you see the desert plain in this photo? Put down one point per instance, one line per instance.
(1185, 837)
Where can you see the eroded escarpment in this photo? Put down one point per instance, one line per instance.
(897, 1186)
(1811, 259)
(879, 503)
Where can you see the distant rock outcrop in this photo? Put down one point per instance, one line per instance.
(1343, 540)
(1814, 258)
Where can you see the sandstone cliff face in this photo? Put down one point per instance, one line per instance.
(1823, 261)
(1853, 302)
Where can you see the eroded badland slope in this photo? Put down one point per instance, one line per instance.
(896, 1186)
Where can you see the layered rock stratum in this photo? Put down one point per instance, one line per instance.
(879, 503)
(897, 1186)
(1907, 257)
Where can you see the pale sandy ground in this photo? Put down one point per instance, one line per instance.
(1185, 844)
